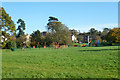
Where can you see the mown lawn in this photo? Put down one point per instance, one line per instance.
(73, 62)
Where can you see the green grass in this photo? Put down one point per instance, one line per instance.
(73, 62)
(80, 44)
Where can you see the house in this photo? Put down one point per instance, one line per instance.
(74, 39)
(27, 38)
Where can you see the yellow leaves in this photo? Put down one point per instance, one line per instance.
(115, 33)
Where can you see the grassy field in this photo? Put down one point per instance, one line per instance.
(72, 62)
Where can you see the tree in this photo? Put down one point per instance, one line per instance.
(53, 24)
(104, 33)
(52, 19)
(7, 26)
(80, 38)
(99, 33)
(48, 39)
(93, 31)
(20, 37)
(21, 41)
(36, 37)
(63, 36)
(73, 31)
(11, 44)
(59, 32)
(114, 35)
(106, 30)
(21, 28)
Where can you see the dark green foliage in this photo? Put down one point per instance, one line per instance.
(36, 38)
(21, 28)
(22, 24)
(11, 44)
(106, 44)
(73, 31)
(52, 19)
(116, 44)
(99, 33)
(48, 39)
(105, 33)
(21, 33)
(93, 31)
(20, 37)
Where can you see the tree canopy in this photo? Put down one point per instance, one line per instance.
(7, 26)
(60, 32)
(114, 35)
(36, 36)
(21, 27)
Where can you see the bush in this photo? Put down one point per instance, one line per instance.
(3, 44)
(116, 44)
(21, 41)
(106, 44)
(11, 44)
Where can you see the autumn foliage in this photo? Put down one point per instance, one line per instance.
(114, 35)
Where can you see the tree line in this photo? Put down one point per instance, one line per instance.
(56, 32)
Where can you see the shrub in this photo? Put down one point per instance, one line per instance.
(11, 44)
(106, 44)
(21, 41)
(116, 44)
(3, 44)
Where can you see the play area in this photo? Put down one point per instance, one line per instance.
(73, 40)
(55, 45)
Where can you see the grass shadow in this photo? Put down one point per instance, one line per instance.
(100, 50)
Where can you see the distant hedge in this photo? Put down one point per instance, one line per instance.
(106, 44)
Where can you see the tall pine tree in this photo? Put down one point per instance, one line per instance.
(7, 26)
(21, 28)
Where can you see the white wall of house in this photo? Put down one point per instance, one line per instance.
(28, 38)
(73, 38)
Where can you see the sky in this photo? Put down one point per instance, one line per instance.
(75, 15)
(60, 0)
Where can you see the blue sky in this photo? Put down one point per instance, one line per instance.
(76, 15)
